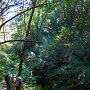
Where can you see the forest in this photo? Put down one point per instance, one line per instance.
(46, 42)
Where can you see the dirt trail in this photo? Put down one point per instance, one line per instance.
(2, 87)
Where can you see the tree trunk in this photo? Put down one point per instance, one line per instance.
(26, 38)
(21, 62)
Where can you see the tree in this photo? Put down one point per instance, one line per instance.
(67, 56)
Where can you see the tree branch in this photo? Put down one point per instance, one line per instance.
(18, 41)
(25, 11)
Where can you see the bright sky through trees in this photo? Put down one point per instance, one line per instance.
(14, 9)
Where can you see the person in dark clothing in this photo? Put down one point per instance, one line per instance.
(18, 83)
(7, 79)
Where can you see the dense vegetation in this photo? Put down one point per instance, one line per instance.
(57, 33)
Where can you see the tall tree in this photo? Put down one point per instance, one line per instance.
(26, 38)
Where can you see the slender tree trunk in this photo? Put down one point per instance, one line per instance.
(26, 38)
(20, 63)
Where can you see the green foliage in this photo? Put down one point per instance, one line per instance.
(68, 2)
(63, 58)
(66, 57)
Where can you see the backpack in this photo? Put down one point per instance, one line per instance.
(17, 82)
(7, 79)
(20, 82)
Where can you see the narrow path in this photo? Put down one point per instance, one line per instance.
(2, 87)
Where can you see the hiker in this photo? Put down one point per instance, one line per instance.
(13, 81)
(18, 83)
(7, 79)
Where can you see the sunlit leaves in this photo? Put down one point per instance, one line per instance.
(64, 33)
